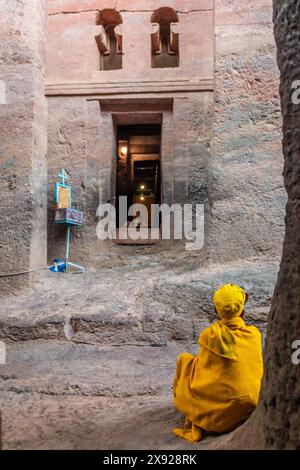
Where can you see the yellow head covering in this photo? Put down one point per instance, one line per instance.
(229, 301)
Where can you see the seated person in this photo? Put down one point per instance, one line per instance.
(219, 388)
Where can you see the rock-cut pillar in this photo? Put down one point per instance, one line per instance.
(23, 138)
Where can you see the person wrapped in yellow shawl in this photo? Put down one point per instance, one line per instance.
(219, 388)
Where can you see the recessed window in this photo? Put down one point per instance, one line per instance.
(165, 38)
(109, 39)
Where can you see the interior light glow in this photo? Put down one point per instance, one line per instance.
(124, 151)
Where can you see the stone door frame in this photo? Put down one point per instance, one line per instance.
(143, 111)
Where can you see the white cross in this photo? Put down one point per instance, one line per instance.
(63, 175)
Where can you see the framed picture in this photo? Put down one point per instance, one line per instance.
(63, 196)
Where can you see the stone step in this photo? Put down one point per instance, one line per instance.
(40, 422)
(134, 306)
(61, 395)
(55, 367)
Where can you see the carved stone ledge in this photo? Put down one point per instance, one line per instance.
(119, 38)
(102, 39)
(174, 38)
(127, 87)
(155, 39)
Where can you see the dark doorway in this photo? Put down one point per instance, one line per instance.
(138, 168)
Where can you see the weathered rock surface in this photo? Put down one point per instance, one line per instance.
(64, 368)
(141, 304)
(32, 421)
(23, 138)
(275, 423)
(126, 325)
(281, 388)
(247, 194)
(57, 395)
(91, 358)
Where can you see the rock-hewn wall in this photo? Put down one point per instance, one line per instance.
(73, 53)
(81, 139)
(281, 390)
(242, 185)
(81, 134)
(23, 137)
(247, 196)
(275, 423)
(66, 149)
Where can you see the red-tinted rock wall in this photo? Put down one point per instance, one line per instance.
(231, 162)
(23, 137)
(247, 195)
(86, 104)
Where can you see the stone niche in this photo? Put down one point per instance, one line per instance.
(109, 39)
(136, 42)
(165, 38)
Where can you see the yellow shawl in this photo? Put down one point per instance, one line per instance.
(219, 388)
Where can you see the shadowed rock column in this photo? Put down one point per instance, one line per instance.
(247, 196)
(275, 424)
(281, 388)
(23, 138)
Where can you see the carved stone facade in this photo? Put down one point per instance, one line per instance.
(137, 65)
(196, 72)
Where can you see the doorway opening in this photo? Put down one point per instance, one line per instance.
(139, 179)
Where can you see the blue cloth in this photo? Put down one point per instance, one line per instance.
(58, 266)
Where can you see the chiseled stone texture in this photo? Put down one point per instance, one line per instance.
(96, 371)
(73, 53)
(23, 138)
(281, 390)
(67, 149)
(81, 137)
(275, 423)
(145, 300)
(231, 162)
(247, 194)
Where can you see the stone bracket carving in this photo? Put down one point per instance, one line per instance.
(173, 45)
(174, 39)
(102, 40)
(119, 38)
(155, 39)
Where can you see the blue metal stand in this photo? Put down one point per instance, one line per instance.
(68, 216)
(68, 263)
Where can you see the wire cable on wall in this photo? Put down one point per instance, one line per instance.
(24, 272)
